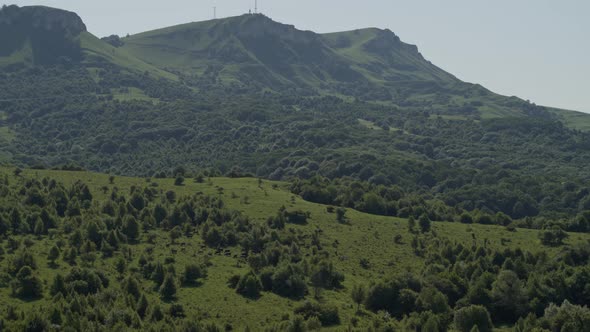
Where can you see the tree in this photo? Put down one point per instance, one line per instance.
(53, 254)
(39, 228)
(36, 323)
(568, 317)
(431, 325)
(358, 295)
(168, 288)
(374, 204)
(431, 299)
(131, 228)
(137, 201)
(4, 226)
(411, 224)
(27, 285)
(508, 296)
(142, 306)
(341, 215)
(466, 218)
(192, 273)
(179, 181)
(58, 286)
(132, 287)
(553, 236)
(158, 274)
(473, 316)
(175, 233)
(249, 285)
(424, 223)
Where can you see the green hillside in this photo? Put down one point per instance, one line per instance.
(42, 36)
(98, 53)
(365, 249)
(254, 53)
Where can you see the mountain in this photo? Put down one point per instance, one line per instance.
(42, 36)
(252, 53)
(255, 48)
(249, 96)
(256, 53)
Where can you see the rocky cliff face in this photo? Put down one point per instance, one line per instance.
(42, 18)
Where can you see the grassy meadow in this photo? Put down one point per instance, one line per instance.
(364, 236)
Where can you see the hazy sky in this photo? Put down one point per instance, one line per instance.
(534, 49)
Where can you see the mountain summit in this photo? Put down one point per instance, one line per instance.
(253, 50)
(40, 34)
(252, 53)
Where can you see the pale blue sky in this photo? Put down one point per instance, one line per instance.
(534, 49)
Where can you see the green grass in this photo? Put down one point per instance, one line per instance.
(23, 55)
(573, 119)
(369, 124)
(450, 117)
(132, 94)
(366, 236)
(96, 47)
(6, 134)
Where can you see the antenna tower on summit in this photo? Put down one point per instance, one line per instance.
(214, 12)
(255, 6)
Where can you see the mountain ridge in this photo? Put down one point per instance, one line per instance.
(283, 49)
(251, 53)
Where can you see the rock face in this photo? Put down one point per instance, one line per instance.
(41, 35)
(42, 18)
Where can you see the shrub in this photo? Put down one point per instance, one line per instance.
(168, 288)
(568, 317)
(553, 236)
(179, 181)
(475, 315)
(466, 218)
(424, 223)
(288, 281)
(192, 273)
(27, 285)
(249, 285)
(327, 314)
(297, 217)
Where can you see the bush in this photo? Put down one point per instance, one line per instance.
(27, 285)
(327, 314)
(249, 285)
(232, 282)
(192, 273)
(568, 317)
(168, 288)
(297, 217)
(466, 218)
(179, 181)
(475, 315)
(553, 236)
(397, 296)
(288, 281)
(424, 223)
(177, 310)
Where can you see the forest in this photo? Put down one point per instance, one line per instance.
(406, 162)
(110, 253)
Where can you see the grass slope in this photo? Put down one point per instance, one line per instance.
(573, 119)
(97, 49)
(366, 236)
